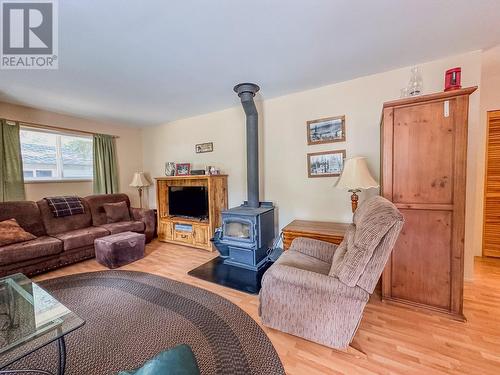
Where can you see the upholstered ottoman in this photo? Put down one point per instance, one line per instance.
(119, 249)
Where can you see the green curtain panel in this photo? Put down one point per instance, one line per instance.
(11, 168)
(105, 169)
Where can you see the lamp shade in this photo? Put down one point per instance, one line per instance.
(139, 180)
(356, 175)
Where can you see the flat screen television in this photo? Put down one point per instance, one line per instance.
(188, 201)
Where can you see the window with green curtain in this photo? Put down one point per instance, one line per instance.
(50, 155)
(105, 167)
(11, 166)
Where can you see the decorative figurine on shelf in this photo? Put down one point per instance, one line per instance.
(453, 79)
(415, 86)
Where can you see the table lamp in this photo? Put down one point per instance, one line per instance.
(140, 182)
(356, 177)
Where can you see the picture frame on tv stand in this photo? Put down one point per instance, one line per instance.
(182, 169)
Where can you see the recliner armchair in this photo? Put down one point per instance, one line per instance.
(318, 291)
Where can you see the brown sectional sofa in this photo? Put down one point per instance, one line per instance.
(65, 240)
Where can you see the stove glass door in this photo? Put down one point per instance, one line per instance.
(238, 230)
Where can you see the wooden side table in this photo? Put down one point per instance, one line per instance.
(318, 230)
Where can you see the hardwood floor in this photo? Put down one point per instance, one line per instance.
(396, 340)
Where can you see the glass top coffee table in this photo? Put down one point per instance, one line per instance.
(30, 318)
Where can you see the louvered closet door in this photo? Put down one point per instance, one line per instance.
(491, 229)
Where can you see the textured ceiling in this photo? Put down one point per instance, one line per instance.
(153, 61)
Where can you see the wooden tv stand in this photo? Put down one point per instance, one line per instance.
(185, 231)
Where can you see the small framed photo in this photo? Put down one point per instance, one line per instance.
(326, 130)
(182, 169)
(169, 168)
(204, 147)
(325, 164)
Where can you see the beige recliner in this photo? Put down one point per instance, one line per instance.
(317, 290)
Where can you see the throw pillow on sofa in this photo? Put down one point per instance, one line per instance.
(65, 206)
(116, 212)
(11, 232)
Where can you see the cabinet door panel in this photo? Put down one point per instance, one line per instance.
(201, 235)
(423, 154)
(421, 258)
(165, 230)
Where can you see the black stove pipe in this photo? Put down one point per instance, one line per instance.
(246, 92)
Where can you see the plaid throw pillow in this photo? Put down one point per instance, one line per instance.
(65, 206)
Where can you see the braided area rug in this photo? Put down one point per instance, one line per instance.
(131, 316)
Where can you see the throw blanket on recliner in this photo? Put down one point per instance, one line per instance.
(65, 206)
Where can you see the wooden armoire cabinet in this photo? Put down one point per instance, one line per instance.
(423, 172)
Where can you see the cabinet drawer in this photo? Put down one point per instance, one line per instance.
(182, 236)
(288, 238)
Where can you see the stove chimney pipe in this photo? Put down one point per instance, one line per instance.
(246, 92)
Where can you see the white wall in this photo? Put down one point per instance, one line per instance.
(283, 141)
(128, 149)
(490, 101)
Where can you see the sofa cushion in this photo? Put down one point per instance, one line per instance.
(124, 226)
(296, 259)
(116, 212)
(339, 255)
(26, 213)
(55, 225)
(372, 220)
(81, 237)
(369, 279)
(11, 232)
(37, 248)
(96, 203)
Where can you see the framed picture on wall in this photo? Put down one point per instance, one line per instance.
(325, 164)
(204, 147)
(182, 169)
(326, 130)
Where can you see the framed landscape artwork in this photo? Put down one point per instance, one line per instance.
(326, 130)
(325, 164)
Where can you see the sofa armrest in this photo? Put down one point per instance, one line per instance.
(148, 218)
(318, 283)
(318, 249)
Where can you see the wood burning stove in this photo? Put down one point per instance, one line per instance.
(248, 234)
(247, 231)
